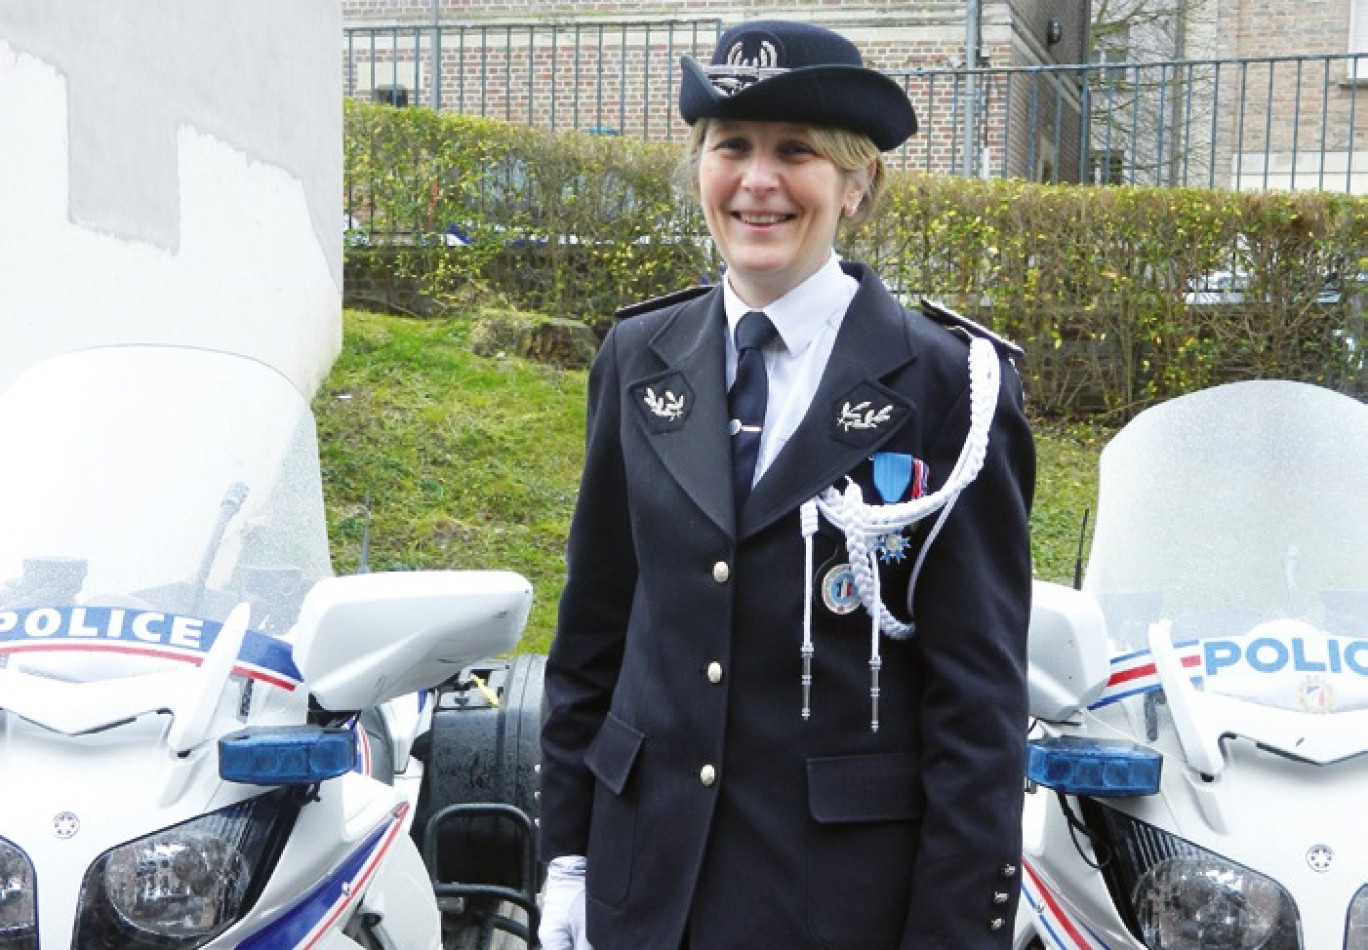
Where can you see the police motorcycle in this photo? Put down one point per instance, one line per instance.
(1196, 773)
(181, 674)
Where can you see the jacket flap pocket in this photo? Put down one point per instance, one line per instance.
(612, 753)
(855, 788)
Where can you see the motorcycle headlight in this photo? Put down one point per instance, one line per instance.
(1177, 896)
(18, 907)
(1356, 931)
(183, 886)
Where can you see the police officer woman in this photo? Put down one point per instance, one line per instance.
(786, 701)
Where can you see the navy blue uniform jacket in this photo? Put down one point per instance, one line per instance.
(674, 753)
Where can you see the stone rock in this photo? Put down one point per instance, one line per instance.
(554, 341)
(558, 341)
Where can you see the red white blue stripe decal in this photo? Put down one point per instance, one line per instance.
(148, 633)
(364, 760)
(1134, 673)
(1054, 925)
(315, 916)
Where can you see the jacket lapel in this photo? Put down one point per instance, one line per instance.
(852, 414)
(682, 408)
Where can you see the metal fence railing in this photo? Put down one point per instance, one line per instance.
(1294, 122)
(614, 78)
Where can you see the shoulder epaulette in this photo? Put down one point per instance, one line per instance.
(659, 303)
(958, 321)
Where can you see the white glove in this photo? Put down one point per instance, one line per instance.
(562, 921)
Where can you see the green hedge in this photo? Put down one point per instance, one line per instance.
(571, 224)
(1099, 284)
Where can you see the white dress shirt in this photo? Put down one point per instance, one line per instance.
(807, 318)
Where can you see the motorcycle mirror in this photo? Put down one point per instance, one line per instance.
(366, 638)
(1068, 663)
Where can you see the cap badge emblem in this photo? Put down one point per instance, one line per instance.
(748, 60)
(765, 57)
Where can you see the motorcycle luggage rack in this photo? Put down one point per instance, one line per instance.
(523, 897)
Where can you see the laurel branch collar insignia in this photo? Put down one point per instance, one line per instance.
(867, 413)
(664, 401)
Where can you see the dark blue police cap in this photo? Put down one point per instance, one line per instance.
(782, 71)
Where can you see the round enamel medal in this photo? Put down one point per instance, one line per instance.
(838, 590)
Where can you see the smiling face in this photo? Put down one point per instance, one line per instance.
(772, 203)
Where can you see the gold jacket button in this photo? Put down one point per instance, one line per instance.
(707, 775)
(1008, 870)
(721, 572)
(997, 923)
(714, 672)
(1001, 897)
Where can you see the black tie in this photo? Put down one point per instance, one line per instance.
(747, 399)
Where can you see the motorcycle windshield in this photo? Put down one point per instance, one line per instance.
(147, 483)
(1238, 516)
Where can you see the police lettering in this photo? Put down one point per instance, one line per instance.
(104, 623)
(1298, 654)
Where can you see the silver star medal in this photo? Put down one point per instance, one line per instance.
(892, 547)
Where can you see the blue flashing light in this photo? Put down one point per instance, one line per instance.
(286, 755)
(1097, 768)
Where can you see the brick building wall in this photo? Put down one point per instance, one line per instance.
(613, 67)
(1310, 118)
(923, 12)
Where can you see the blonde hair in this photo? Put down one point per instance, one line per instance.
(851, 152)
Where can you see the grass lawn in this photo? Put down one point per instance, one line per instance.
(460, 461)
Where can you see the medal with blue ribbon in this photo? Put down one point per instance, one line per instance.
(892, 475)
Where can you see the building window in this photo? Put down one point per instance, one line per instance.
(1114, 46)
(390, 95)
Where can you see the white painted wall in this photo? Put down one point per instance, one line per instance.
(170, 171)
